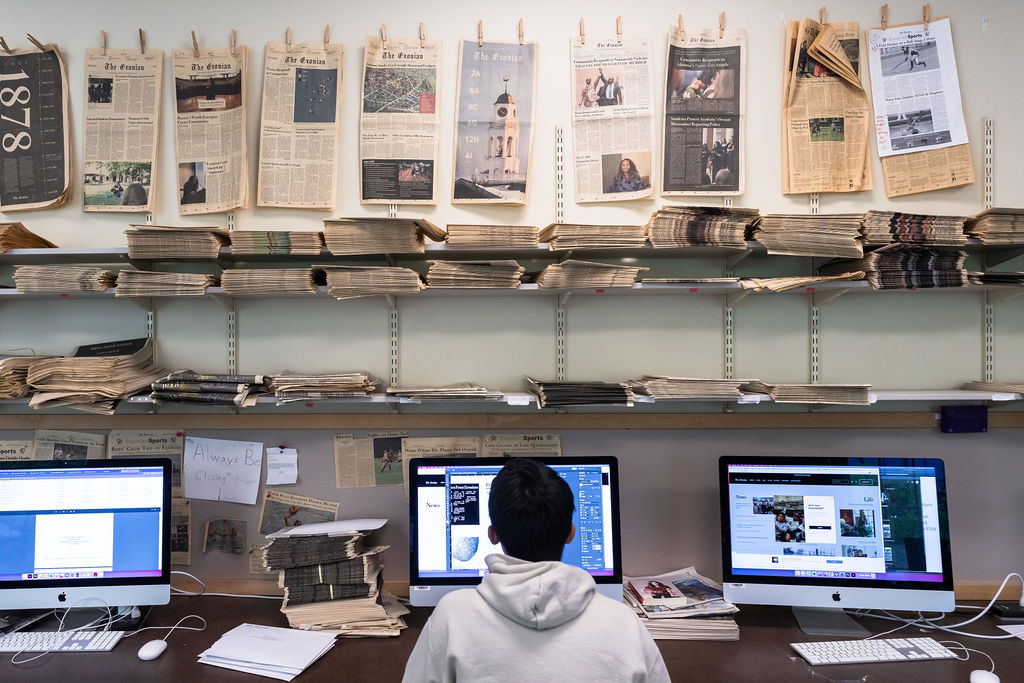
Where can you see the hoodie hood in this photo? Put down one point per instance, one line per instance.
(538, 595)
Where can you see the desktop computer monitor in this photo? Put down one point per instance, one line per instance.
(84, 533)
(832, 533)
(448, 522)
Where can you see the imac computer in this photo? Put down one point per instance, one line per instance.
(85, 533)
(823, 534)
(448, 522)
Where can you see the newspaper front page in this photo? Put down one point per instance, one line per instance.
(300, 126)
(35, 129)
(121, 129)
(705, 109)
(496, 108)
(209, 131)
(825, 119)
(919, 124)
(282, 510)
(612, 119)
(521, 445)
(399, 124)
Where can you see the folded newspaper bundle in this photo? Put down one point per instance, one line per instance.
(462, 236)
(580, 236)
(185, 386)
(447, 392)
(586, 274)
(782, 284)
(836, 235)
(664, 387)
(901, 266)
(250, 281)
(700, 226)
(475, 274)
(883, 227)
(153, 283)
(840, 394)
(17, 236)
(13, 374)
(51, 278)
(555, 394)
(290, 387)
(681, 605)
(997, 226)
(155, 241)
(277, 242)
(348, 236)
(349, 282)
(996, 387)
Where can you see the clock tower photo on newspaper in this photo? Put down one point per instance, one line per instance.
(503, 143)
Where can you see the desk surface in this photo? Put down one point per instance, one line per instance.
(761, 654)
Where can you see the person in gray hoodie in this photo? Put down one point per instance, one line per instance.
(533, 618)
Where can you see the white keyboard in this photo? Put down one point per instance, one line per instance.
(859, 651)
(60, 641)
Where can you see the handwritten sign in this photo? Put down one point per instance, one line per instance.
(215, 469)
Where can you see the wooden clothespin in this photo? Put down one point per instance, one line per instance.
(821, 16)
(926, 12)
(3, 44)
(618, 29)
(142, 41)
(679, 25)
(423, 36)
(583, 35)
(520, 30)
(103, 42)
(288, 39)
(384, 36)
(327, 36)
(234, 42)
(885, 16)
(195, 45)
(42, 48)
(480, 33)
(721, 25)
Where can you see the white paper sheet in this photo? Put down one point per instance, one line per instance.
(282, 466)
(341, 526)
(216, 469)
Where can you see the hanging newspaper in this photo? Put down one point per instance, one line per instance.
(494, 124)
(209, 131)
(705, 110)
(399, 127)
(35, 123)
(300, 126)
(122, 109)
(612, 119)
(825, 117)
(919, 122)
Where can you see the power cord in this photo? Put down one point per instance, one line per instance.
(111, 619)
(179, 591)
(178, 625)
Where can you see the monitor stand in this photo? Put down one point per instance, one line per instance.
(828, 621)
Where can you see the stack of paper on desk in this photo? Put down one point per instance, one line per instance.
(349, 282)
(154, 283)
(248, 281)
(474, 274)
(492, 236)
(379, 235)
(586, 274)
(883, 227)
(270, 651)
(62, 279)
(276, 242)
(17, 236)
(154, 241)
(696, 226)
(681, 605)
(579, 236)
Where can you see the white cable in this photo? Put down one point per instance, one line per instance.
(987, 607)
(60, 628)
(178, 591)
(925, 624)
(992, 664)
(178, 625)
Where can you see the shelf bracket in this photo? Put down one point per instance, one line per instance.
(393, 339)
(727, 202)
(231, 221)
(814, 203)
(997, 256)
(559, 174)
(733, 259)
(145, 303)
(149, 219)
(227, 302)
(990, 259)
(563, 256)
(988, 331)
(815, 343)
(232, 340)
(728, 320)
(822, 298)
(988, 128)
(561, 323)
(993, 298)
(734, 298)
(392, 210)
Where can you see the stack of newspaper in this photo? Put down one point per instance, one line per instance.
(579, 236)
(994, 387)
(681, 605)
(835, 235)
(290, 387)
(332, 579)
(492, 236)
(781, 284)
(153, 283)
(587, 274)
(13, 374)
(447, 392)
(997, 226)
(900, 266)
(246, 281)
(663, 387)
(379, 235)
(1015, 279)
(349, 282)
(883, 227)
(276, 242)
(154, 241)
(839, 394)
(699, 226)
(49, 278)
(185, 386)
(555, 394)
(17, 236)
(470, 274)
(94, 376)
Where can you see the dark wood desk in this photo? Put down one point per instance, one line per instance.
(761, 654)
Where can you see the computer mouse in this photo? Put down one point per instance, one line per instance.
(982, 676)
(155, 648)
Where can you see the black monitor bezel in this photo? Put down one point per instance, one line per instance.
(941, 493)
(165, 522)
(610, 460)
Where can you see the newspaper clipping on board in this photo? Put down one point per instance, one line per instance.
(209, 131)
(300, 126)
(705, 110)
(163, 443)
(55, 444)
(521, 445)
(919, 124)
(825, 116)
(612, 119)
(496, 108)
(282, 510)
(399, 124)
(121, 129)
(35, 129)
(181, 531)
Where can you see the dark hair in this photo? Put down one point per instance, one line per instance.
(531, 510)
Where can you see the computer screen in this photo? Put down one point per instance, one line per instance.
(84, 531)
(448, 520)
(836, 532)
